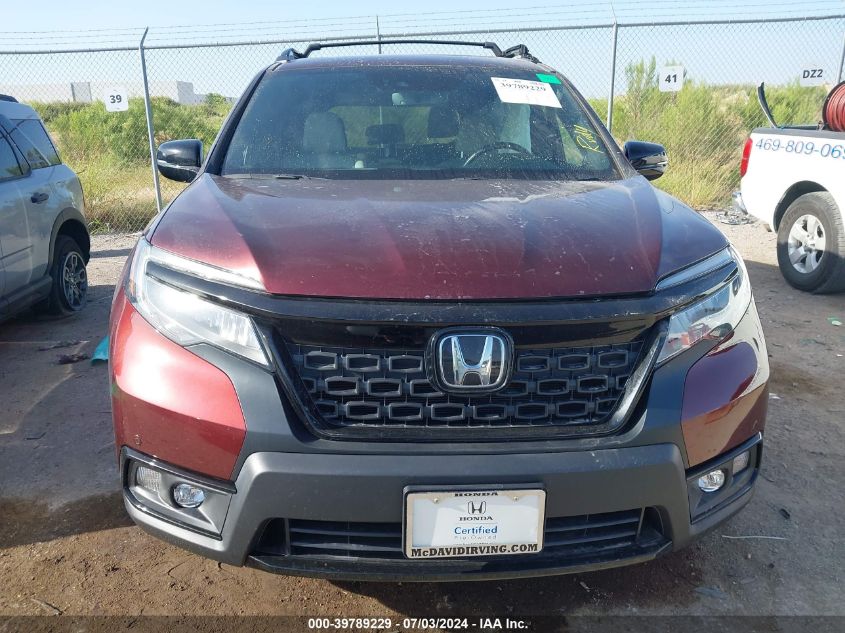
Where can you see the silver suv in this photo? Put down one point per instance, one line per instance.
(44, 240)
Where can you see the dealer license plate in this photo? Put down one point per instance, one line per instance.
(461, 523)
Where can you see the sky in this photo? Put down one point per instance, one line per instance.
(81, 15)
(61, 14)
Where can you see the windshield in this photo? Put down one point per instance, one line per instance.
(416, 122)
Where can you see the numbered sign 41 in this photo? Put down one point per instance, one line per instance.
(671, 78)
(116, 99)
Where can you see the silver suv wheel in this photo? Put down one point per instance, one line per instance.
(74, 280)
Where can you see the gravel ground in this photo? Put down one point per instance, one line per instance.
(66, 545)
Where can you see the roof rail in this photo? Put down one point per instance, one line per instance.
(8, 98)
(520, 50)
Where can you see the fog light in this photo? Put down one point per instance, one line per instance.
(712, 481)
(148, 479)
(740, 462)
(188, 496)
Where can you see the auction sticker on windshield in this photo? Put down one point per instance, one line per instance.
(525, 91)
(459, 523)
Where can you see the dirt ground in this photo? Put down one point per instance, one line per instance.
(66, 545)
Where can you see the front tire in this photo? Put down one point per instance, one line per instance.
(69, 292)
(811, 244)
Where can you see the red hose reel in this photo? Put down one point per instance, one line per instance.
(833, 110)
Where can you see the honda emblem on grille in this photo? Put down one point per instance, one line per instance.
(472, 361)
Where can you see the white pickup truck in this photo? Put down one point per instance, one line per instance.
(793, 179)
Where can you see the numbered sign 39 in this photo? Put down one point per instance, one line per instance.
(813, 75)
(116, 99)
(671, 78)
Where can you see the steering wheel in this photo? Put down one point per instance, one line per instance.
(492, 147)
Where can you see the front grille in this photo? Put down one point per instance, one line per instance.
(568, 538)
(390, 388)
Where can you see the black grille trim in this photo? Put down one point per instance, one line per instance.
(356, 392)
(465, 418)
(574, 537)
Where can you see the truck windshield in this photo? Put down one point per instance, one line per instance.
(416, 121)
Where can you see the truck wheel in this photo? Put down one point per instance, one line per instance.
(69, 291)
(811, 244)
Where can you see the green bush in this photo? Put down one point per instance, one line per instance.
(702, 127)
(89, 132)
(50, 111)
(791, 104)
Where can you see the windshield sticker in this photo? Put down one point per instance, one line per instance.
(586, 139)
(525, 91)
(548, 79)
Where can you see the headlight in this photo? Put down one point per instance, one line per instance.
(185, 318)
(712, 318)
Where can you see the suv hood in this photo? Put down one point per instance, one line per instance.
(436, 239)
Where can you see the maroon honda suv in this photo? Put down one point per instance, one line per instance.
(420, 318)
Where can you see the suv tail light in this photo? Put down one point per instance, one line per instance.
(746, 154)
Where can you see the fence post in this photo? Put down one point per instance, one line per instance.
(841, 60)
(612, 77)
(150, 128)
(378, 36)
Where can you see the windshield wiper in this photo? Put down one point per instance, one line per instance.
(275, 176)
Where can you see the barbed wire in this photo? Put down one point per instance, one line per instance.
(515, 17)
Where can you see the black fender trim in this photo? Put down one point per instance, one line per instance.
(69, 214)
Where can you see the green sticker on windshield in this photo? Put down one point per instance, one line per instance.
(549, 79)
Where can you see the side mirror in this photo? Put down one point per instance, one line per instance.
(180, 160)
(649, 159)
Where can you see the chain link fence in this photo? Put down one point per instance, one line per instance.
(705, 124)
(193, 86)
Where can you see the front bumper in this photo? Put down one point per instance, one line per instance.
(233, 431)
(278, 490)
